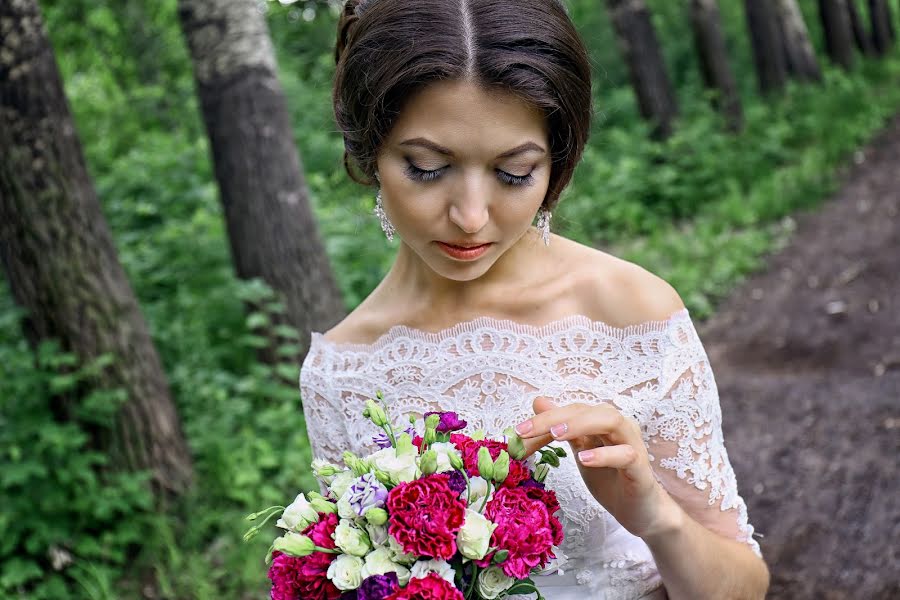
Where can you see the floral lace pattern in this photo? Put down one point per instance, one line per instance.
(490, 371)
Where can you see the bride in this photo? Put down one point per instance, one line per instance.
(470, 117)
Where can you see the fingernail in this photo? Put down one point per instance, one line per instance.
(558, 430)
(524, 427)
(585, 455)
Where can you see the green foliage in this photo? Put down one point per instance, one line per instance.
(700, 209)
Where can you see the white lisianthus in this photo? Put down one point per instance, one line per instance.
(442, 568)
(340, 483)
(345, 572)
(378, 534)
(397, 552)
(478, 488)
(401, 466)
(474, 538)
(378, 562)
(443, 451)
(492, 582)
(344, 510)
(298, 515)
(351, 539)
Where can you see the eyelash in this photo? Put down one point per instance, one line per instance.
(423, 175)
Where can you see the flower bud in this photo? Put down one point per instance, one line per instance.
(376, 413)
(376, 516)
(549, 457)
(485, 463)
(477, 435)
(541, 472)
(430, 436)
(456, 460)
(501, 467)
(500, 556)
(428, 462)
(384, 478)
(295, 544)
(515, 444)
(323, 506)
(432, 420)
(356, 464)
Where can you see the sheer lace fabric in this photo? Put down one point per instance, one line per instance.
(490, 370)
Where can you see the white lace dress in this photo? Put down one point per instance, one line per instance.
(490, 370)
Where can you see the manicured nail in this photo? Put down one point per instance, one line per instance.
(524, 427)
(559, 430)
(585, 455)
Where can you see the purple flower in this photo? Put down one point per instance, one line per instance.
(531, 482)
(457, 482)
(383, 441)
(366, 493)
(449, 422)
(378, 587)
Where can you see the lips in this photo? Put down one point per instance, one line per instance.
(465, 245)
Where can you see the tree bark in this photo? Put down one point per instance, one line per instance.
(271, 227)
(860, 34)
(882, 26)
(60, 260)
(799, 53)
(767, 44)
(706, 22)
(838, 35)
(647, 69)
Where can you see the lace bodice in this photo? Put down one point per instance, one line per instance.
(490, 370)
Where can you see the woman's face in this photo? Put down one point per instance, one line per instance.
(463, 166)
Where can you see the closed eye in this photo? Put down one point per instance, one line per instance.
(426, 176)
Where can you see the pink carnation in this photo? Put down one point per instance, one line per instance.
(468, 448)
(526, 528)
(426, 515)
(305, 577)
(432, 587)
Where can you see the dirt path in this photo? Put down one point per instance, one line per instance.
(807, 360)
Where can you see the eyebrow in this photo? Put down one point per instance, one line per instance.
(419, 141)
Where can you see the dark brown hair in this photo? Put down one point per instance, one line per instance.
(387, 50)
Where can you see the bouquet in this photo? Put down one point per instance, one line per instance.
(439, 515)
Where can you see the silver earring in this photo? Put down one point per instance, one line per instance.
(543, 224)
(385, 223)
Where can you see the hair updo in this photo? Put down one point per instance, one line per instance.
(387, 50)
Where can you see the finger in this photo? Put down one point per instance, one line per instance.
(534, 444)
(622, 456)
(543, 404)
(603, 420)
(540, 424)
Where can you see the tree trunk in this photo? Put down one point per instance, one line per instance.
(706, 22)
(647, 69)
(271, 226)
(838, 35)
(882, 27)
(799, 53)
(860, 35)
(768, 45)
(60, 260)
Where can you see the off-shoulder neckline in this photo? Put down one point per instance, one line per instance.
(396, 332)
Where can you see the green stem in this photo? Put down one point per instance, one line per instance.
(488, 493)
(472, 582)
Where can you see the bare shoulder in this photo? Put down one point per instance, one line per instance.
(621, 293)
(362, 326)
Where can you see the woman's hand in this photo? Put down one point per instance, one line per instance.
(612, 458)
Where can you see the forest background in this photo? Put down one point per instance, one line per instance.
(701, 207)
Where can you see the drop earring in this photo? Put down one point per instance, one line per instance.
(386, 225)
(543, 224)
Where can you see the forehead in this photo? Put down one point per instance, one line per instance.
(466, 118)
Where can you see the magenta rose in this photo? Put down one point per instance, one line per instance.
(426, 515)
(433, 587)
(526, 528)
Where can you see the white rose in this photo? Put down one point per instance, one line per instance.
(351, 539)
(345, 572)
(442, 568)
(340, 483)
(403, 468)
(298, 515)
(444, 450)
(492, 582)
(378, 562)
(474, 538)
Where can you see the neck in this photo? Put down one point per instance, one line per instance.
(411, 277)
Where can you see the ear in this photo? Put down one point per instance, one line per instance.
(543, 404)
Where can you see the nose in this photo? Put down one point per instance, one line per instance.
(469, 209)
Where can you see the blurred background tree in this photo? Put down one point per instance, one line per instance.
(701, 206)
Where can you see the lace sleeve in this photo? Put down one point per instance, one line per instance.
(686, 445)
(326, 433)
